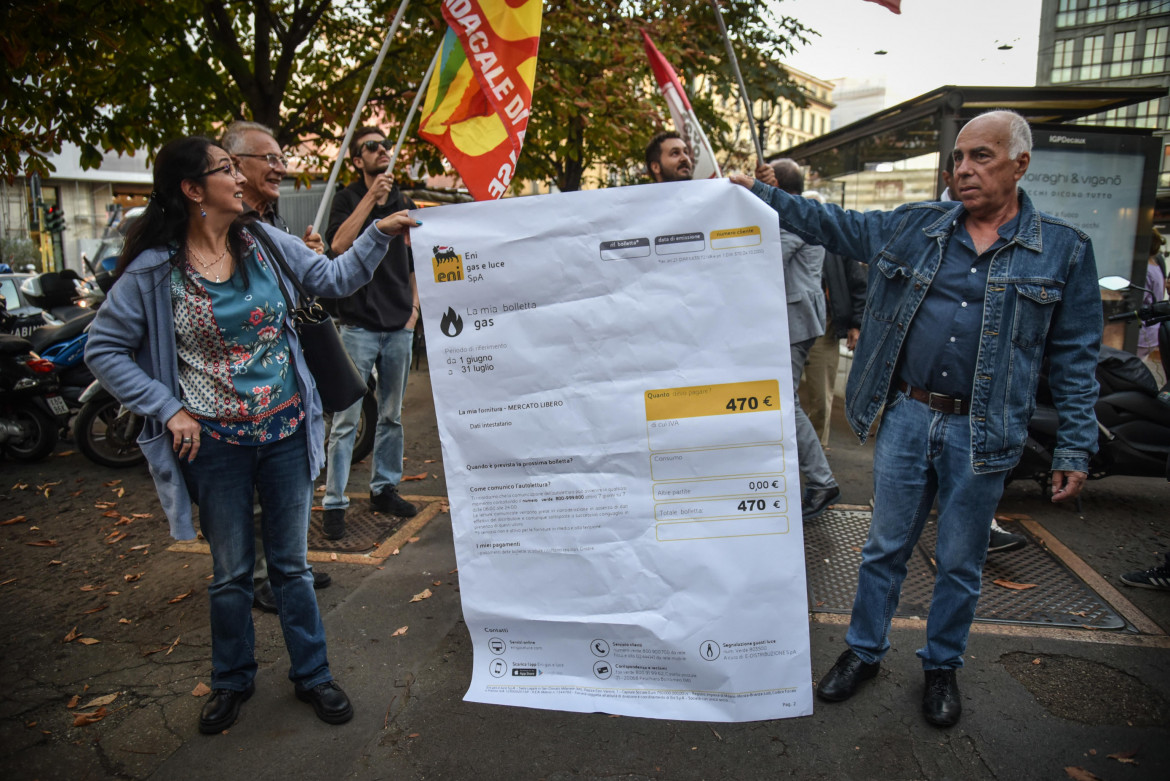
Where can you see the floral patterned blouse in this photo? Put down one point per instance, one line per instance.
(234, 363)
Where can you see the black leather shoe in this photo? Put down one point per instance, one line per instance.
(841, 681)
(333, 524)
(263, 598)
(221, 709)
(321, 579)
(389, 501)
(817, 500)
(329, 701)
(941, 704)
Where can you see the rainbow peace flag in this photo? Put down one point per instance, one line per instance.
(478, 102)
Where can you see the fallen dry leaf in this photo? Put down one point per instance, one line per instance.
(141, 515)
(420, 596)
(174, 645)
(103, 505)
(89, 641)
(55, 563)
(43, 544)
(413, 735)
(64, 453)
(140, 547)
(395, 552)
(111, 514)
(73, 635)
(201, 690)
(1125, 757)
(123, 521)
(10, 521)
(90, 587)
(429, 460)
(78, 492)
(119, 492)
(1014, 586)
(1080, 774)
(10, 580)
(112, 483)
(123, 620)
(400, 631)
(82, 719)
(452, 572)
(113, 593)
(179, 598)
(97, 609)
(98, 702)
(134, 577)
(1036, 660)
(413, 539)
(20, 486)
(436, 583)
(115, 537)
(76, 698)
(419, 476)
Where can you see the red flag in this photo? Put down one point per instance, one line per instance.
(893, 5)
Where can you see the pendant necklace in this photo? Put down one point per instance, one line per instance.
(197, 256)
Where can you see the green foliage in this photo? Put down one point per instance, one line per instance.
(127, 75)
(18, 253)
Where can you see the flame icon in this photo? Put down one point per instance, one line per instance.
(451, 324)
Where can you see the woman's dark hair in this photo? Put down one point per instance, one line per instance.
(164, 223)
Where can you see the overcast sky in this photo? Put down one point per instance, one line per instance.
(932, 42)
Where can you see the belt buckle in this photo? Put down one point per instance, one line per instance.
(943, 401)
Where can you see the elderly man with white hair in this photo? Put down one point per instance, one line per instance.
(965, 302)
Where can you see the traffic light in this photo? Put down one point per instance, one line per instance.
(55, 219)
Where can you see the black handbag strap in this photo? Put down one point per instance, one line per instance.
(277, 257)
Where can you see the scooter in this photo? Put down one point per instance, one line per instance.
(1133, 414)
(31, 411)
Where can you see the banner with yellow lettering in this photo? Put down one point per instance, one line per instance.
(478, 102)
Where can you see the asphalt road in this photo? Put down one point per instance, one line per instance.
(1036, 701)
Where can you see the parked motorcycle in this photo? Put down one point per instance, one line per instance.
(1133, 414)
(31, 411)
(105, 431)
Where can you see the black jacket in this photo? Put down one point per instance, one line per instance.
(844, 281)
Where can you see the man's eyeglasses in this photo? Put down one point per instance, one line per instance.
(231, 169)
(372, 146)
(272, 158)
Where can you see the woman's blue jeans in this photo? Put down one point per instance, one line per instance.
(222, 479)
(920, 455)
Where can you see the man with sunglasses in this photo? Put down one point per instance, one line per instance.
(377, 329)
(256, 153)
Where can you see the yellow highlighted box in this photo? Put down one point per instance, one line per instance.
(731, 238)
(704, 400)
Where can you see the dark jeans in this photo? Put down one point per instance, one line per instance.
(222, 479)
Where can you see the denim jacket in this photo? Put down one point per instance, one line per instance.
(1042, 299)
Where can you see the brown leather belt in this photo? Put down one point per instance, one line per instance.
(936, 401)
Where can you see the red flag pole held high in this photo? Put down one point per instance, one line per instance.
(705, 165)
(323, 209)
(893, 5)
(747, 104)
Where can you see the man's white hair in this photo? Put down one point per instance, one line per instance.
(233, 138)
(1020, 139)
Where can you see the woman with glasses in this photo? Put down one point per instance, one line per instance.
(195, 336)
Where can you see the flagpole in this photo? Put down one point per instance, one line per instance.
(422, 88)
(739, 77)
(357, 114)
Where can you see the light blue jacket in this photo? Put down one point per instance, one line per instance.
(1042, 299)
(131, 349)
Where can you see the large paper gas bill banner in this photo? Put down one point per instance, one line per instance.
(611, 377)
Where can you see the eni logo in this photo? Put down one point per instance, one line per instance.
(448, 264)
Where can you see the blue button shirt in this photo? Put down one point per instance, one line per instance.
(943, 340)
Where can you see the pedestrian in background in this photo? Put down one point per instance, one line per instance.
(195, 336)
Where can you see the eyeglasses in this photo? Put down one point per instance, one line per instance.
(231, 169)
(272, 158)
(372, 146)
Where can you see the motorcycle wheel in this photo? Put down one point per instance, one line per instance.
(40, 438)
(367, 427)
(107, 433)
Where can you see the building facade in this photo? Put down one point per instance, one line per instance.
(1112, 43)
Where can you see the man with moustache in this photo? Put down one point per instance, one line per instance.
(668, 159)
(377, 329)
